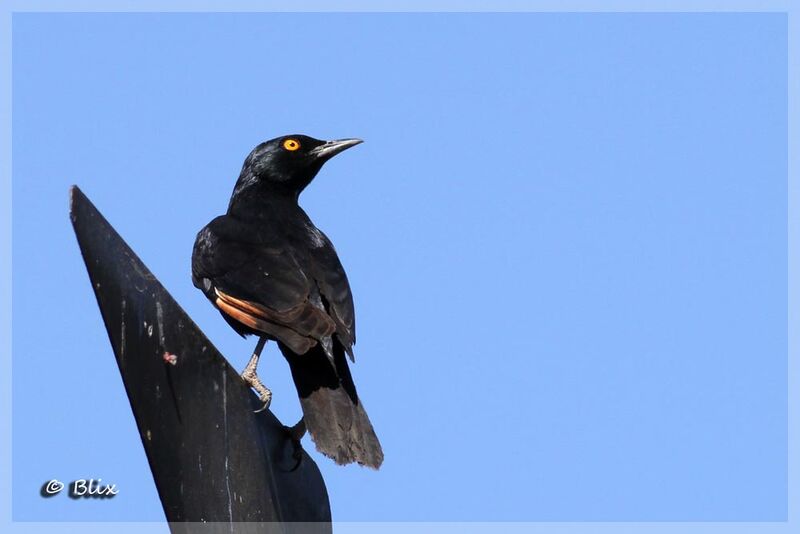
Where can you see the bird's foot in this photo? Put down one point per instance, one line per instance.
(264, 394)
(266, 398)
(296, 433)
(299, 430)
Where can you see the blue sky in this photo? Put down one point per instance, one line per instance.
(566, 236)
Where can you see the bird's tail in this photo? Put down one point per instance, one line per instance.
(333, 413)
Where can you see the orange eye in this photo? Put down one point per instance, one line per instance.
(291, 144)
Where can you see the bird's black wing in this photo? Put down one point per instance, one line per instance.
(261, 285)
(332, 282)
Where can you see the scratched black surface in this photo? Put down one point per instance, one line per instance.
(213, 460)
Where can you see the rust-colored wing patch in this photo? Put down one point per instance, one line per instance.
(242, 305)
(299, 327)
(241, 315)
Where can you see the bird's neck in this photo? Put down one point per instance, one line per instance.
(258, 200)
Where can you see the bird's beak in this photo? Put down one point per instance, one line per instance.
(331, 148)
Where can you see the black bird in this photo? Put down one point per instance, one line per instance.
(271, 273)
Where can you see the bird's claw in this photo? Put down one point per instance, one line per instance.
(266, 398)
(296, 433)
(297, 455)
(264, 394)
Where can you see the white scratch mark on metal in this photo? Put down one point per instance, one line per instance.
(122, 333)
(225, 423)
(160, 320)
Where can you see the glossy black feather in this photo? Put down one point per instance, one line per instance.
(266, 255)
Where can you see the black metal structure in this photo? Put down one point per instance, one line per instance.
(213, 459)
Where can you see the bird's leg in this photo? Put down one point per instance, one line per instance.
(299, 430)
(251, 378)
(296, 433)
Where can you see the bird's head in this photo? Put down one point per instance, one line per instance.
(288, 163)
